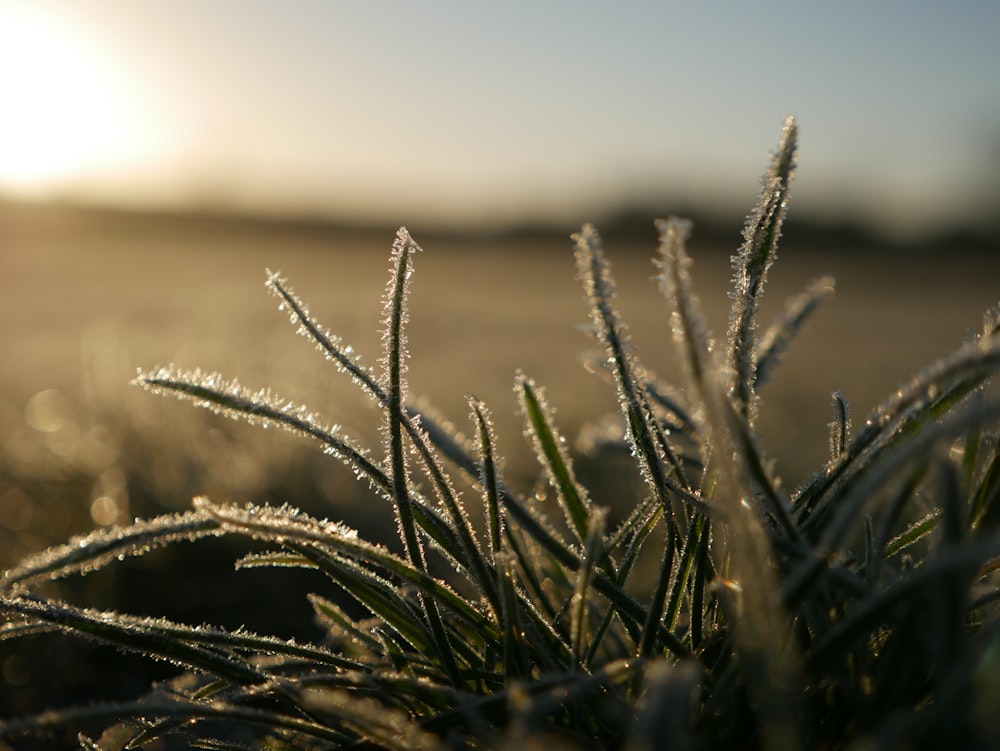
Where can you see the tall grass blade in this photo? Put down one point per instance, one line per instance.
(413, 423)
(750, 267)
(641, 428)
(593, 553)
(489, 480)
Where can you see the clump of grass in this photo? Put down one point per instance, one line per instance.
(860, 608)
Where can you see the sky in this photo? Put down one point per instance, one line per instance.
(478, 114)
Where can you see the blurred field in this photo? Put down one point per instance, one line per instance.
(86, 298)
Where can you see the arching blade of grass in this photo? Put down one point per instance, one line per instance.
(234, 401)
(140, 635)
(190, 711)
(780, 334)
(865, 487)
(285, 527)
(931, 394)
(105, 546)
(413, 423)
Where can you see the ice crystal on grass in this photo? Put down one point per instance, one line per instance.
(781, 333)
(331, 346)
(97, 549)
(750, 267)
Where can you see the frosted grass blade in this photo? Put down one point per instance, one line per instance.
(928, 396)
(141, 635)
(287, 527)
(102, 547)
(641, 428)
(413, 422)
(750, 267)
(778, 337)
(490, 477)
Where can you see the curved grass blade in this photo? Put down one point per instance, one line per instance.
(191, 711)
(104, 546)
(288, 527)
(928, 396)
(777, 338)
(414, 423)
(142, 635)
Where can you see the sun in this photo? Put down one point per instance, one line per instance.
(63, 116)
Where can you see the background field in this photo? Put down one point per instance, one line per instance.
(87, 298)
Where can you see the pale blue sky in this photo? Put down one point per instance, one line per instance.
(463, 111)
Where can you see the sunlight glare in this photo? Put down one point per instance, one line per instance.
(64, 115)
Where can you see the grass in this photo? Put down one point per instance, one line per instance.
(714, 607)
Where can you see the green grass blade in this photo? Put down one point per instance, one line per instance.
(305, 535)
(394, 383)
(549, 448)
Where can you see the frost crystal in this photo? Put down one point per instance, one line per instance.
(331, 346)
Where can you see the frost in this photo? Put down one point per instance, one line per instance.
(331, 346)
(104, 546)
(594, 272)
(262, 407)
(750, 266)
(687, 322)
(777, 338)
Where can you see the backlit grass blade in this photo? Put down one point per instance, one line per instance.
(343, 631)
(286, 527)
(777, 338)
(928, 396)
(102, 547)
(191, 711)
(490, 478)
(141, 635)
(610, 330)
(414, 424)
(750, 267)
